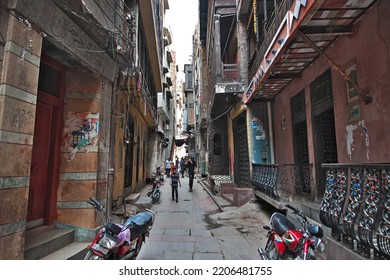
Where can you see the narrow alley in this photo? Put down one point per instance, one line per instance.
(194, 228)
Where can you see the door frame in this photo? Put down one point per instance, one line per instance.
(57, 103)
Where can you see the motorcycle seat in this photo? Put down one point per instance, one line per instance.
(280, 223)
(139, 222)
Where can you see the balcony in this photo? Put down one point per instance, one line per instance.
(294, 35)
(227, 89)
(267, 34)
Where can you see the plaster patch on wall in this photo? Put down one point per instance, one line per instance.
(350, 138)
(350, 145)
(81, 132)
(367, 138)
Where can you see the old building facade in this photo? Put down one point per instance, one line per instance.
(306, 106)
(78, 104)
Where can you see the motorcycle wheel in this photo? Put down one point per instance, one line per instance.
(90, 256)
(138, 248)
(156, 194)
(270, 250)
(156, 197)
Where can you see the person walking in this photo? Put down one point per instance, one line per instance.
(172, 166)
(167, 167)
(191, 167)
(177, 163)
(182, 166)
(175, 183)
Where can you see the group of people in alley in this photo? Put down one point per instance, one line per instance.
(175, 170)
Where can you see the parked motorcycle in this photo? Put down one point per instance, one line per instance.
(155, 192)
(285, 242)
(116, 241)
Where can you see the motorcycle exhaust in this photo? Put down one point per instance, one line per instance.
(262, 254)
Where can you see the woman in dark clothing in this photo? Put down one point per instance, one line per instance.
(175, 183)
(182, 167)
(191, 166)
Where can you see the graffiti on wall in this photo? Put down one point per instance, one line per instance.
(81, 132)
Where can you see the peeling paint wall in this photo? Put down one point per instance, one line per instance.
(357, 132)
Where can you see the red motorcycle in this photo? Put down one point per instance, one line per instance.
(285, 242)
(117, 241)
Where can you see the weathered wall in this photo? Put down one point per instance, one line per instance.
(361, 138)
(18, 97)
(84, 159)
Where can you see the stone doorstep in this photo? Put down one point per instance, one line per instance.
(238, 196)
(227, 188)
(242, 196)
(132, 198)
(73, 251)
(144, 202)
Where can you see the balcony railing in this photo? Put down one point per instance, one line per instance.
(356, 206)
(229, 73)
(280, 180)
(270, 28)
(150, 103)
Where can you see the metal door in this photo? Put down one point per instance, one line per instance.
(242, 177)
(301, 148)
(325, 146)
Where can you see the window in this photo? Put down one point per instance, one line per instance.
(189, 80)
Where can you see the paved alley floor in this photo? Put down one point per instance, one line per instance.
(195, 229)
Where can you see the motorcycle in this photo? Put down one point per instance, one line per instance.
(285, 242)
(117, 241)
(155, 192)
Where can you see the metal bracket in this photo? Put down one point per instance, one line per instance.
(365, 96)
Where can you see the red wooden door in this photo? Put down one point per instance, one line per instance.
(39, 177)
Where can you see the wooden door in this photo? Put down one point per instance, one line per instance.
(40, 173)
(45, 161)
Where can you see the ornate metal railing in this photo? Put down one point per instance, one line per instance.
(276, 180)
(268, 32)
(356, 206)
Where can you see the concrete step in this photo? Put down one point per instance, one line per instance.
(73, 251)
(44, 240)
(132, 198)
(311, 210)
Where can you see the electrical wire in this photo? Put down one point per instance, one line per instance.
(66, 6)
(224, 113)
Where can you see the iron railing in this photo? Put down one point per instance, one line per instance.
(356, 206)
(270, 27)
(229, 73)
(277, 180)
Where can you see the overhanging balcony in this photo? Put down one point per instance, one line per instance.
(227, 89)
(294, 42)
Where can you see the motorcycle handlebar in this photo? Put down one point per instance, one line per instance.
(96, 203)
(292, 207)
(296, 211)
